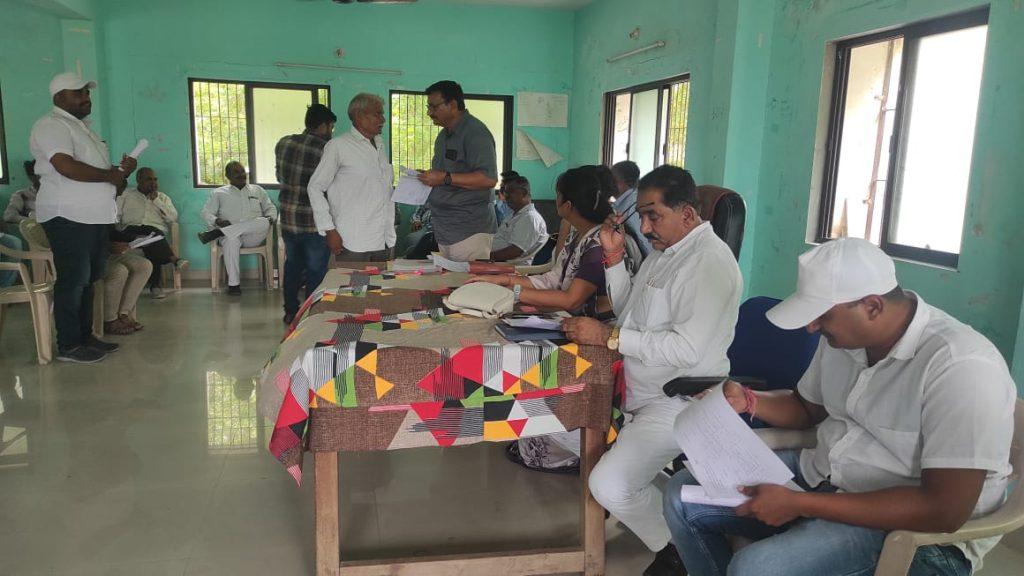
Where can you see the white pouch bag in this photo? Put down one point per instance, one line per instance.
(481, 299)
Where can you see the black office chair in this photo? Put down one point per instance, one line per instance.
(726, 211)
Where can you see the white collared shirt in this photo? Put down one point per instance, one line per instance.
(58, 132)
(942, 398)
(234, 205)
(136, 209)
(525, 230)
(350, 192)
(677, 315)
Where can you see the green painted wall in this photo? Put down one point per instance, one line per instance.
(32, 53)
(986, 290)
(151, 47)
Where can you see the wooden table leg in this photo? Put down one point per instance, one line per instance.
(592, 446)
(328, 549)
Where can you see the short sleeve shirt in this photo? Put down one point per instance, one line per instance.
(525, 230)
(60, 197)
(459, 213)
(942, 398)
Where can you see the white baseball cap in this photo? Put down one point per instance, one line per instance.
(838, 271)
(69, 81)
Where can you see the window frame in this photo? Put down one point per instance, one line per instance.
(250, 135)
(912, 35)
(5, 168)
(608, 135)
(508, 99)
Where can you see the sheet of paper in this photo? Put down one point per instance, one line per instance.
(145, 240)
(451, 265)
(528, 148)
(139, 148)
(697, 495)
(402, 264)
(534, 322)
(543, 109)
(410, 190)
(722, 451)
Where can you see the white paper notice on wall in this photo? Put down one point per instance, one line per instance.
(528, 148)
(543, 109)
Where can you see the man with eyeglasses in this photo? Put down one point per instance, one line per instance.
(462, 174)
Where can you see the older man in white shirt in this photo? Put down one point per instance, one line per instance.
(144, 210)
(914, 416)
(76, 207)
(676, 318)
(350, 191)
(523, 234)
(240, 215)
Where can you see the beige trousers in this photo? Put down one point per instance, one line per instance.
(123, 282)
(476, 247)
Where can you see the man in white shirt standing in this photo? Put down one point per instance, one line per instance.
(75, 205)
(350, 191)
(144, 210)
(22, 204)
(239, 215)
(676, 318)
(524, 233)
(914, 416)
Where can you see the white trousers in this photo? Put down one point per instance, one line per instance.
(622, 481)
(248, 234)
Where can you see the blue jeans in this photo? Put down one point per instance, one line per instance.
(9, 277)
(306, 256)
(806, 546)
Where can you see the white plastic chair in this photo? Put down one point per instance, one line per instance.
(264, 251)
(901, 545)
(170, 269)
(39, 297)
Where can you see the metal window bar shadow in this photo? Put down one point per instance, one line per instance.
(232, 415)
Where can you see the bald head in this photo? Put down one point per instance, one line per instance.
(145, 181)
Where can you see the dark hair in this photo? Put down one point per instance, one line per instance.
(513, 180)
(627, 171)
(318, 114)
(450, 90)
(676, 185)
(30, 166)
(587, 188)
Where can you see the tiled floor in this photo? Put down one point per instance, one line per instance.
(152, 463)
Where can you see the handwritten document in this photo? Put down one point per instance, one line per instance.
(723, 453)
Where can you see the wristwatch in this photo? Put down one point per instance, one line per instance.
(447, 178)
(516, 291)
(613, 340)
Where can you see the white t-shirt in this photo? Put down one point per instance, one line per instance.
(525, 230)
(942, 398)
(84, 202)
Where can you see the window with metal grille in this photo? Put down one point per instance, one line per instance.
(5, 176)
(901, 134)
(647, 123)
(232, 415)
(413, 132)
(243, 121)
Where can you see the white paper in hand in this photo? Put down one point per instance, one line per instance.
(410, 190)
(139, 148)
(723, 453)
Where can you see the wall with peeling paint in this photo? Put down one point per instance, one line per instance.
(986, 290)
(151, 47)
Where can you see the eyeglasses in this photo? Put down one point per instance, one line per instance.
(433, 107)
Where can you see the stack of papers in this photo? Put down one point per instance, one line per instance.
(450, 265)
(723, 453)
(403, 265)
(534, 322)
(410, 190)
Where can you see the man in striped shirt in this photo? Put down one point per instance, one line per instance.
(306, 252)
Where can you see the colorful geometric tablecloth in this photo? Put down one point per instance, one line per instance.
(376, 364)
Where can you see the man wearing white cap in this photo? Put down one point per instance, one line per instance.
(76, 207)
(914, 416)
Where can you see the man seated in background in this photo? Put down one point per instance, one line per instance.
(22, 204)
(239, 215)
(123, 281)
(420, 240)
(145, 210)
(914, 416)
(523, 233)
(9, 277)
(626, 175)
